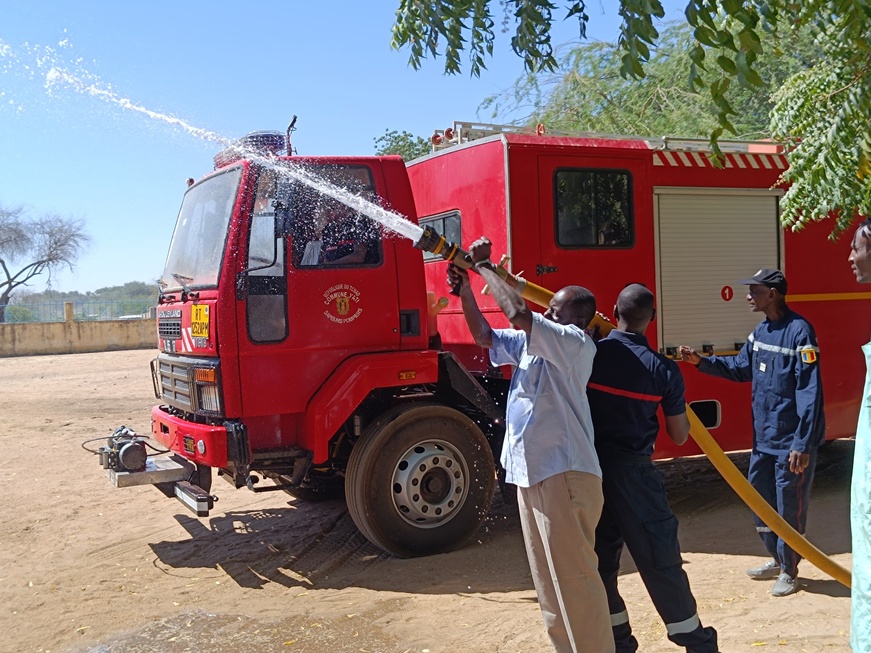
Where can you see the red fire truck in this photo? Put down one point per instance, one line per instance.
(319, 361)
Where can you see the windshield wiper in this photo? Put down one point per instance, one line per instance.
(185, 289)
(161, 284)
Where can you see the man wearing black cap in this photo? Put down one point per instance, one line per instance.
(781, 358)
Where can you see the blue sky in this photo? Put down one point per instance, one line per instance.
(229, 68)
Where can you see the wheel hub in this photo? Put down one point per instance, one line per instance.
(429, 483)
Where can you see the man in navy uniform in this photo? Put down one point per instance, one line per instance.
(781, 358)
(628, 384)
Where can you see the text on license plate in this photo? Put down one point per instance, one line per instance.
(200, 321)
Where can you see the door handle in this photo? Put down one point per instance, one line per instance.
(545, 269)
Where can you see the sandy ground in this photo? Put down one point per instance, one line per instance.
(87, 567)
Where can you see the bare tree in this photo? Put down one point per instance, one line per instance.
(30, 247)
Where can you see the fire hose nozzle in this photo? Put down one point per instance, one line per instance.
(433, 242)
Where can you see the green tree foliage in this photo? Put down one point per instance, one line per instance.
(19, 314)
(132, 291)
(823, 113)
(588, 93)
(31, 246)
(404, 143)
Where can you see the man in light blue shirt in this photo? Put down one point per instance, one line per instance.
(860, 493)
(548, 450)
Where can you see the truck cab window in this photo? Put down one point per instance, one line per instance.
(448, 225)
(327, 232)
(593, 208)
(341, 236)
(267, 310)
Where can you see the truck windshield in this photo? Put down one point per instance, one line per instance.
(197, 248)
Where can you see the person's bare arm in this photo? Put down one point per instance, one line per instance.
(480, 329)
(678, 428)
(508, 299)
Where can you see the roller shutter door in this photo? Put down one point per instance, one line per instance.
(706, 243)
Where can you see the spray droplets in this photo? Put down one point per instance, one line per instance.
(49, 66)
(390, 220)
(32, 64)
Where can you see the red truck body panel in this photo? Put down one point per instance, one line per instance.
(503, 187)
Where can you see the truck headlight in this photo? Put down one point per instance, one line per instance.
(208, 389)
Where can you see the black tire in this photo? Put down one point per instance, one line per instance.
(420, 480)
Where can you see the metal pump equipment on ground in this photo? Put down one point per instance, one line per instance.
(124, 451)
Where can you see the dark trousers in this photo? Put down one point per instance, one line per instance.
(788, 494)
(636, 513)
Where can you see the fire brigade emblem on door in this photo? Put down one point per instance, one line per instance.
(342, 303)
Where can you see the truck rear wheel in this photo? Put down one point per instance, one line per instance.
(420, 480)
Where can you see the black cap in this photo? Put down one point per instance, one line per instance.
(767, 277)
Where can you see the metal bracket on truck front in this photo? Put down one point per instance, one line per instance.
(171, 475)
(157, 470)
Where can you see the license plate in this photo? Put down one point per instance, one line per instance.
(199, 321)
(188, 444)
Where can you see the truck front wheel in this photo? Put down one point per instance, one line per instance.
(420, 480)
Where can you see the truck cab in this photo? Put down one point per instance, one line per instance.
(296, 345)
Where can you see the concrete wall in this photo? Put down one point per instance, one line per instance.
(72, 337)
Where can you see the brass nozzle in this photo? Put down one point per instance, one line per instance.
(433, 242)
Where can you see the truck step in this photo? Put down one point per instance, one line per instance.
(195, 498)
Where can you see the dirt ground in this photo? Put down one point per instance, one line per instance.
(87, 567)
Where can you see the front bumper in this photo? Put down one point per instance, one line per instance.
(200, 443)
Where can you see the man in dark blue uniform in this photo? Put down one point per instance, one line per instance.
(781, 358)
(628, 384)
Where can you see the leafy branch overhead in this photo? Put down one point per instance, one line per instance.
(822, 113)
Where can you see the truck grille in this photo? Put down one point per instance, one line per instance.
(174, 384)
(169, 329)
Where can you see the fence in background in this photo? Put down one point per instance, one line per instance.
(82, 311)
(79, 330)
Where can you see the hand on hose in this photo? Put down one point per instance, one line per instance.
(689, 355)
(480, 250)
(457, 278)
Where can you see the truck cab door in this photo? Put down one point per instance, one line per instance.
(316, 305)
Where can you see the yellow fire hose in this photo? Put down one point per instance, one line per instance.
(433, 242)
(721, 462)
(760, 506)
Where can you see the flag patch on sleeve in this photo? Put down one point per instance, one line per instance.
(808, 355)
